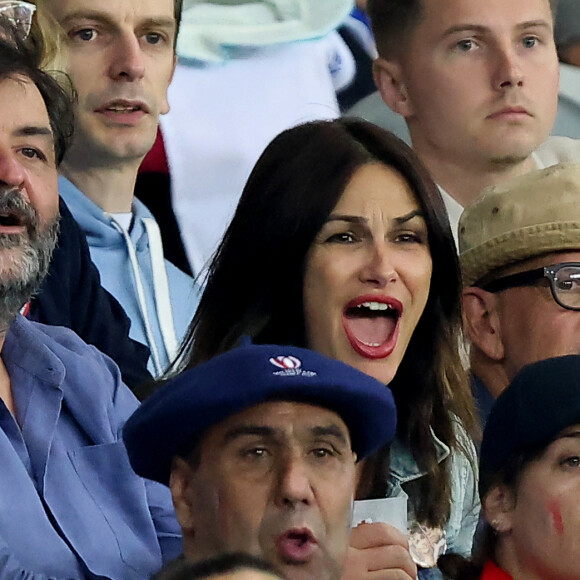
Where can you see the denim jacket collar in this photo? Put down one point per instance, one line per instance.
(403, 467)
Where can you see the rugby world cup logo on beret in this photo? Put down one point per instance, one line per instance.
(286, 362)
(291, 366)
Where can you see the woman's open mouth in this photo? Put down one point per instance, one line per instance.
(371, 324)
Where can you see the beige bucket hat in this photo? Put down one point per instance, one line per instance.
(521, 218)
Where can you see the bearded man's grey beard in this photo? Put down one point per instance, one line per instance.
(24, 258)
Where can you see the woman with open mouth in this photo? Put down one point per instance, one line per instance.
(341, 244)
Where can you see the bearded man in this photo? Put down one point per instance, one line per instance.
(71, 506)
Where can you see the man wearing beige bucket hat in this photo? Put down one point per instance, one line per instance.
(520, 258)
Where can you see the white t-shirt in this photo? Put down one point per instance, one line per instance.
(223, 116)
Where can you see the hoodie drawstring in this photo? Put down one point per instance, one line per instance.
(164, 311)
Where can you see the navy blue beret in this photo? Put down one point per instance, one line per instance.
(186, 406)
(542, 400)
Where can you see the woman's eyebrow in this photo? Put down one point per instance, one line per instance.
(409, 216)
(355, 219)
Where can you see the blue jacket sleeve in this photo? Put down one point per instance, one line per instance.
(158, 495)
(72, 296)
(10, 568)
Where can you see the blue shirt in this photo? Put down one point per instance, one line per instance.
(70, 505)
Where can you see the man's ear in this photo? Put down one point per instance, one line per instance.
(482, 323)
(389, 81)
(498, 505)
(164, 107)
(179, 482)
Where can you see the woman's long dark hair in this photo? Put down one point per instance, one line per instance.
(255, 283)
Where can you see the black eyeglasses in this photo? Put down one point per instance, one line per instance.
(564, 282)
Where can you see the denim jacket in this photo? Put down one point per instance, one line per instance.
(465, 504)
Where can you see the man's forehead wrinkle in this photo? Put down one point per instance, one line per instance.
(37, 122)
(286, 431)
(31, 129)
(485, 28)
(34, 130)
(112, 18)
(248, 430)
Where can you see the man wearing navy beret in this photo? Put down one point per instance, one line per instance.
(259, 447)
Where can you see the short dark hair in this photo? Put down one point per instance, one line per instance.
(181, 569)
(393, 22)
(177, 9)
(20, 60)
